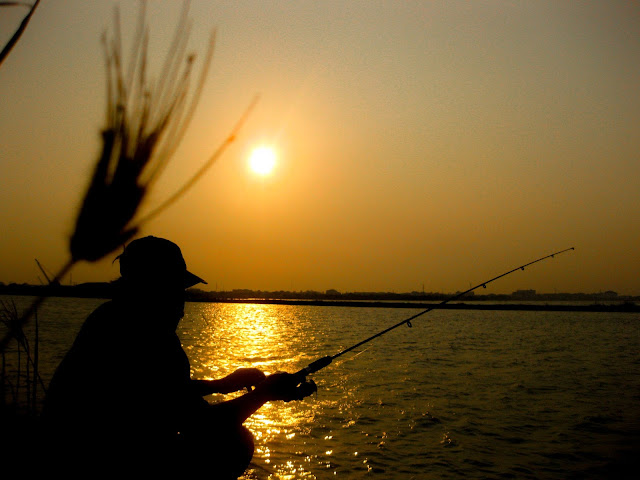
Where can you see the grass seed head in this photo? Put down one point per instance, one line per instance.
(145, 122)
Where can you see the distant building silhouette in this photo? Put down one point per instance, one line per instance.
(524, 294)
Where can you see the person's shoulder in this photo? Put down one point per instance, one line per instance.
(95, 329)
(101, 317)
(103, 310)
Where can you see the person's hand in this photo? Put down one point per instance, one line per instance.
(240, 379)
(286, 386)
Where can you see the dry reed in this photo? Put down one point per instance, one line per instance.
(145, 122)
(19, 384)
(21, 28)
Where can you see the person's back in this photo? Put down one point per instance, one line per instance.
(123, 397)
(121, 388)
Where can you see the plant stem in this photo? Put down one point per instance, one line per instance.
(16, 36)
(34, 306)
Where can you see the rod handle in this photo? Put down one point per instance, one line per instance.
(315, 366)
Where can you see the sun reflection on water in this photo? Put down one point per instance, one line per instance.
(220, 338)
(315, 436)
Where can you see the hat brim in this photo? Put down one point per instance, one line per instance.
(190, 279)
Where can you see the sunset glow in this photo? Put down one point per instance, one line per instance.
(411, 146)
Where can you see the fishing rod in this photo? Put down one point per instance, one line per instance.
(324, 361)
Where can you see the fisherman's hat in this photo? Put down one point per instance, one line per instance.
(155, 259)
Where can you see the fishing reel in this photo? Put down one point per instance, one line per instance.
(296, 386)
(306, 388)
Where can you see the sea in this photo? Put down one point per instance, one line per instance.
(462, 394)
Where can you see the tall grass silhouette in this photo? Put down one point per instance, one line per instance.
(19, 374)
(21, 28)
(145, 122)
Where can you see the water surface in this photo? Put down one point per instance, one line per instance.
(462, 394)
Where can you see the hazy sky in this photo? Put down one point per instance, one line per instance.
(421, 144)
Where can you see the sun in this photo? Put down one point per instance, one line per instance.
(262, 160)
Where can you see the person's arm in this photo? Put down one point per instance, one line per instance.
(279, 386)
(238, 380)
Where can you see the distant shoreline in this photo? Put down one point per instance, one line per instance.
(623, 307)
(495, 302)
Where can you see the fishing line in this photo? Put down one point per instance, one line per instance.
(324, 361)
(354, 356)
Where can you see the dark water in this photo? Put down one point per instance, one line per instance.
(462, 394)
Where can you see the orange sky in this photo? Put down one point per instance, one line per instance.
(420, 144)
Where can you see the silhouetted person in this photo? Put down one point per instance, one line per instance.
(123, 392)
